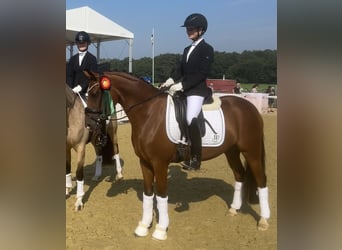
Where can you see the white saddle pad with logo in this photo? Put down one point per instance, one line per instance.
(214, 117)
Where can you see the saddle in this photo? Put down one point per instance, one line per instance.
(180, 104)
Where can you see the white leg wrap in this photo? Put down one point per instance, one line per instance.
(263, 199)
(147, 209)
(160, 230)
(237, 198)
(162, 206)
(117, 163)
(98, 165)
(68, 181)
(142, 229)
(80, 191)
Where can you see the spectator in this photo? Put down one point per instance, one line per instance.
(255, 88)
(271, 92)
(237, 89)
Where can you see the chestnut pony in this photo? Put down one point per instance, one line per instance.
(145, 107)
(82, 128)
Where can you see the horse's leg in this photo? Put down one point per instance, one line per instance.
(112, 130)
(98, 163)
(256, 164)
(233, 157)
(68, 180)
(162, 202)
(80, 176)
(148, 195)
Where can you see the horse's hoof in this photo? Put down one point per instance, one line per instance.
(79, 208)
(159, 233)
(141, 230)
(79, 204)
(232, 211)
(108, 179)
(263, 224)
(119, 177)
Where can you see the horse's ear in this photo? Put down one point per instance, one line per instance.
(87, 73)
(90, 75)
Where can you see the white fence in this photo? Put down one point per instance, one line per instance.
(120, 114)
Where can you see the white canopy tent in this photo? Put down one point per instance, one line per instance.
(99, 27)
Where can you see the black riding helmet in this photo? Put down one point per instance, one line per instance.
(82, 36)
(196, 20)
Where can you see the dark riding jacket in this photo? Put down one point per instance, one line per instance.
(74, 72)
(194, 72)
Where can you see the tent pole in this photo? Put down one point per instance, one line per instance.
(130, 55)
(71, 50)
(98, 50)
(152, 40)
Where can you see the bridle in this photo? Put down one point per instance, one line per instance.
(89, 110)
(96, 121)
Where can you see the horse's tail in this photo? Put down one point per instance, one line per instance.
(250, 185)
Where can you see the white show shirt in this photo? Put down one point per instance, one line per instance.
(81, 56)
(193, 45)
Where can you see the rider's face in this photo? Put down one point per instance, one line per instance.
(193, 33)
(82, 46)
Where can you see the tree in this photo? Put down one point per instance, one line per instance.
(259, 66)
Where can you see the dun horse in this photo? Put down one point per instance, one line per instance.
(79, 134)
(146, 106)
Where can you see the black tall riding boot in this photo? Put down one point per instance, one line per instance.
(196, 147)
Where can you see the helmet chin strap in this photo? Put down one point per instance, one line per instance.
(198, 35)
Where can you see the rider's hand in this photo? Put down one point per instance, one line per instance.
(77, 89)
(176, 87)
(168, 82)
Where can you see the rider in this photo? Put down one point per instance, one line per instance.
(83, 60)
(190, 75)
(79, 82)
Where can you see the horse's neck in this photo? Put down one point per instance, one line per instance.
(70, 96)
(77, 108)
(133, 94)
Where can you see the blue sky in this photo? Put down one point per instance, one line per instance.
(234, 25)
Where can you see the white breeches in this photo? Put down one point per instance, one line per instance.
(194, 106)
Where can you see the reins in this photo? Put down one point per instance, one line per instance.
(136, 104)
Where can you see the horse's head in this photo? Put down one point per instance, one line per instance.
(94, 111)
(95, 90)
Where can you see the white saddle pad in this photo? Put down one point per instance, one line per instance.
(210, 139)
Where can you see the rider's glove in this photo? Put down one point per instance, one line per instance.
(77, 89)
(168, 82)
(176, 87)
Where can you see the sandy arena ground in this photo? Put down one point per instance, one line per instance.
(198, 205)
